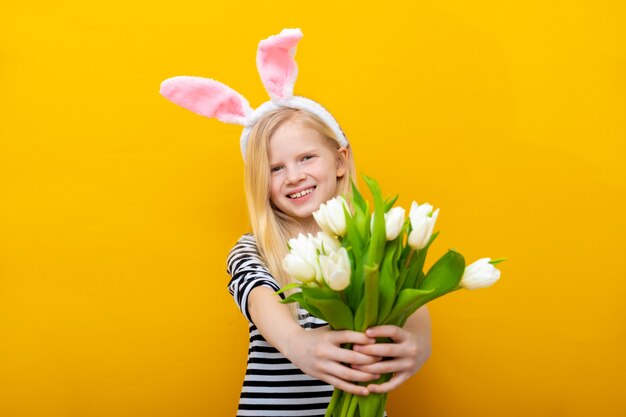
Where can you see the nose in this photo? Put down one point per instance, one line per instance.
(295, 175)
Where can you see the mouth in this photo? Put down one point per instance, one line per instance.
(301, 194)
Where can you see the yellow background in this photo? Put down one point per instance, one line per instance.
(118, 208)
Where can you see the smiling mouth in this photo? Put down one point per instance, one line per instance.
(301, 193)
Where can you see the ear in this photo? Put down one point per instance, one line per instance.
(342, 161)
(276, 64)
(207, 98)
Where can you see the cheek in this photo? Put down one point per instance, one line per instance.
(274, 189)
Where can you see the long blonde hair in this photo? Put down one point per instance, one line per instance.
(271, 227)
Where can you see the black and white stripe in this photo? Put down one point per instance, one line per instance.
(273, 386)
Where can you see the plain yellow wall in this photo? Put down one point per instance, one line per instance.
(117, 208)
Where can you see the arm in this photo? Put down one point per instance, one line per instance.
(410, 348)
(316, 352)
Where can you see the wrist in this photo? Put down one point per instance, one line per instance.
(288, 342)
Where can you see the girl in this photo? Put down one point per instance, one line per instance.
(296, 157)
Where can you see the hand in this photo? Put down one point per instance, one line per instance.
(407, 353)
(319, 353)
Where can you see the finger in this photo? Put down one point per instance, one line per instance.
(345, 386)
(349, 374)
(392, 384)
(386, 367)
(373, 359)
(395, 333)
(351, 356)
(349, 336)
(390, 350)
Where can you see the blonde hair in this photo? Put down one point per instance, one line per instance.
(271, 227)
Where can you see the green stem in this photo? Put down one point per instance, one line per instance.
(353, 403)
(333, 402)
(346, 405)
(383, 403)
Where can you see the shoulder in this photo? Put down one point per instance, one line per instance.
(245, 244)
(244, 253)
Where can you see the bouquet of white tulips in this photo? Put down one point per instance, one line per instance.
(366, 269)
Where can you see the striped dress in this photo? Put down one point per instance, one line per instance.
(273, 386)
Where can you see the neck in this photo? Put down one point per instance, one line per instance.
(307, 225)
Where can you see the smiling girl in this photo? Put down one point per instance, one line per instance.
(296, 157)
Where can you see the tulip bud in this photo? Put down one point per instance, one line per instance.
(330, 216)
(480, 274)
(422, 224)
(336, 269)
(325, 243)
(394, 220)
(303, 249)
(299, 269)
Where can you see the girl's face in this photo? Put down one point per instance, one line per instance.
(303, 170)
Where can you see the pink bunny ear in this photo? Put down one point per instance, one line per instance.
(207, 98)
(276, 64)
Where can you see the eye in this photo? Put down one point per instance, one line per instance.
(275, 169)
(307, 157)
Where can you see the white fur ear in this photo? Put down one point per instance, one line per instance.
(207, 97)
(276, 64)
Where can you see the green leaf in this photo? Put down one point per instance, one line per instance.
(413, 279)
(354, 292)
(407, 302)
(289, 287)
(370, 297)
(404, 272)
(390, 202)
(359, 316)
(357, 198)
(406, 250)
(378, 239)
(387, 282)
(353, 238)
(415, 264)
(445, 275)
(320, 293)
(313, 294)
(336, 313)
(296, 297)
(304, 303)
(497, 261)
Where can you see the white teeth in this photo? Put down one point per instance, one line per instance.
(301, 193)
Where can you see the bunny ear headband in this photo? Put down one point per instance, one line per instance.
(278, 70)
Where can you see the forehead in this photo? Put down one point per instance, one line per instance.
(292, 138)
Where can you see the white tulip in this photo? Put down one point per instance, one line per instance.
(480, 274)
(299, 269)
(394, 220)
(325, 243)
(336, 269)
(422, 223)
(330, 216)
(304, 249)
(302, 245)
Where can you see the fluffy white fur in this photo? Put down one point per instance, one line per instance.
(278, 70)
